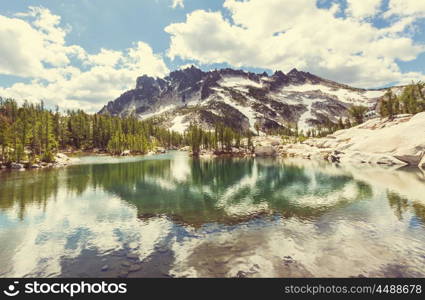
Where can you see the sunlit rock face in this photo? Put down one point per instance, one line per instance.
(396, 141)
(240, 99)
(170, 215)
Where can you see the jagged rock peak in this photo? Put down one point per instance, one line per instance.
(240, 99)
(279, 74)
(189, 72)
(144, 81)
(300, 77)
(294, 71)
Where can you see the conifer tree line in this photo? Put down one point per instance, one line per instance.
(410, 101)
(30, 132)
(292, 134)
(220, 140)
(356, 116)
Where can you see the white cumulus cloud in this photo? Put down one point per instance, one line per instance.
(283, 34)
(363, 8)
(16, 57)
(406, 8)
(33, 46)
(177, 3)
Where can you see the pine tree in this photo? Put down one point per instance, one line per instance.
(257, 128)
(383, 110)
(357, 112)
(56, 124)
(250, 144)
(195, 138)
(49, 143)
(4, 137)
(340, 124)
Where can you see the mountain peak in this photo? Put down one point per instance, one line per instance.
(300, 77)
(144, 81)
(279, 74)
(189, 71)
(239, 99)
(294, 71)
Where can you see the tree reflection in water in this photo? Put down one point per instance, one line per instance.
(215, 217)
(221, 190)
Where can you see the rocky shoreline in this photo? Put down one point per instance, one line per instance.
(399, 141)
(63, 159)
(60, 160)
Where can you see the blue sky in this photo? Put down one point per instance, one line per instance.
(117, 25)
(50, 49)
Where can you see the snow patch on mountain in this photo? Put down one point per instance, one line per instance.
(354, 97)
(267, 79)
(163, 109)
(237, 81)
(179, 125)
(308, 115)
(247, 111)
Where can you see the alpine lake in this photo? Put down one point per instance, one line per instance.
(171, 215)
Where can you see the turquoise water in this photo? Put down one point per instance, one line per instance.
(171, 216)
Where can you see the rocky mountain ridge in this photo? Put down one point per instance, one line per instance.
(239, 99)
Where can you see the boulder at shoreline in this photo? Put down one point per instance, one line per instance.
(396, 141)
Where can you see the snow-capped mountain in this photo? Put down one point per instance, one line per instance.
(239, 99)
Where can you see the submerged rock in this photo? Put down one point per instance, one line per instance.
(125, 264)
(135, 268)
(123, 274)
(16, 166)
(132, 256)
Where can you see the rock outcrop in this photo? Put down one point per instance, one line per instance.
(265, 151)
(397, 141)
(125, 153)
(16, 166)
(60, 160)
(422, 163)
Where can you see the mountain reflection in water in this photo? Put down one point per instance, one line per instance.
(170, 215)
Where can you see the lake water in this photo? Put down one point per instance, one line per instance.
(172, 216)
